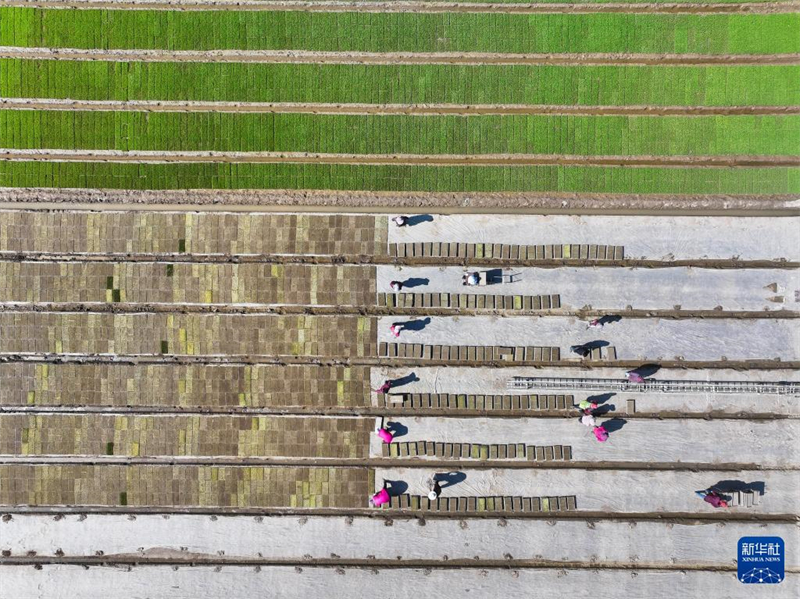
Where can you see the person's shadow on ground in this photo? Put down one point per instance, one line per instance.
(395, 487)
(448, 479)
(730, 486)
(597, 344)
(415, 282)
(646, 370)
(608, 319)
(415, 325)
(601, 410)
(405, 380)
(614, 425)
(418, 219)
(397, 429)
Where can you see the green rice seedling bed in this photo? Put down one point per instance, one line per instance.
(403, 84)
(402, 32)
(392, 134)
(639, 180)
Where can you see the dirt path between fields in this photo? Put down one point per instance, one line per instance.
(390, 202)
(418, 6)
(386, 109)
(284, 359)
(352, 310)
(393, 58)
(59, 155)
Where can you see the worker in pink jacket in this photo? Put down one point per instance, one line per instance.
(634, 377)
(380, 498)
(712, 497)
(600, 433)
(385, 435)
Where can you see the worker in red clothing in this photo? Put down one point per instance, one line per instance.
(712, 497)
(387, 384)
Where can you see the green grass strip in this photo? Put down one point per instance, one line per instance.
(373, 134)
(401, 32)
(415, 84)
(401, 178)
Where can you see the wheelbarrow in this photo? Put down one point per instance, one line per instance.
(481, 278)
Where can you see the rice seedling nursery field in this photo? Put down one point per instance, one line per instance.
(410, 84)
(592, 61)
(228, 369)
(392, 134)
(403, 32)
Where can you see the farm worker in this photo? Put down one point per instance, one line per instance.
(470, 278)
(600, 433)
(634, 377)
(712, 497)
(379, 498)
(588, 420)
(385, 387)
(395, 329)
(587, 406)
(581, 350)
(400, 221)
(396, 285)
(435, 489)
(385, 435)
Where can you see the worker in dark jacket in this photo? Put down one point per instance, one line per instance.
(581, 350)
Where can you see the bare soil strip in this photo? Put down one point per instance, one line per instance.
(374, 412)
(390, 515)
(385, 109)
(246, 360)
(393, 58)
(375, 462)
(340, 259)
(316, 310)
(161, 157)
(411, 6)
(279, 200)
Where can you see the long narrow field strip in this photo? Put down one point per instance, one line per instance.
(764, 85)
(169, 435)
(428, 6)
(395, 58)
(185, 157)
(187, 486)
(402, 135)
(187, 334)
(585, 179)
(151, 386)
(243, 284)
(156, 106)
(750, 34)
(132, 232)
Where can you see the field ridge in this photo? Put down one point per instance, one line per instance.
(109, 156)
(469, 6)
(383, 109)
(394, 58)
